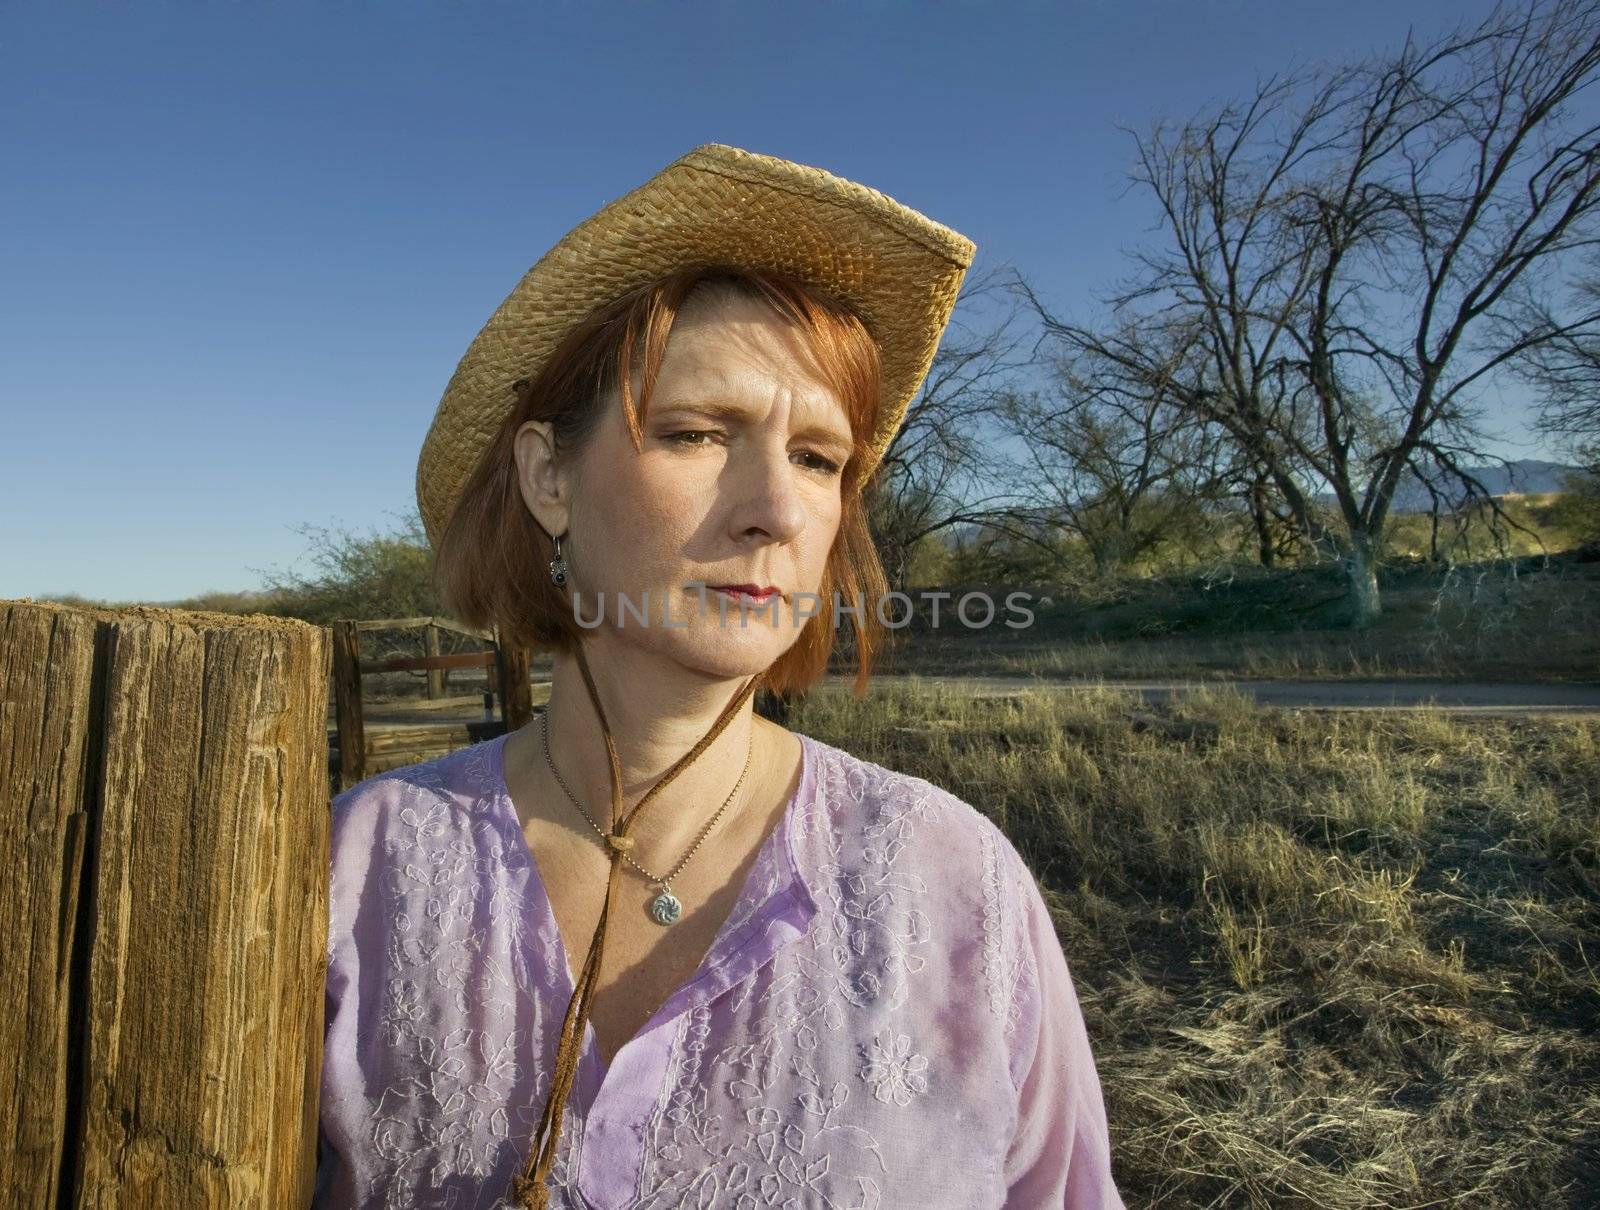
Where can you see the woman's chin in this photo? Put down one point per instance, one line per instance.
(729, 653)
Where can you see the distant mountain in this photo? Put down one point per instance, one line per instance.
(1526, 477)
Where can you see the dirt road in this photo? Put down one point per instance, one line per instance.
(1463, 697)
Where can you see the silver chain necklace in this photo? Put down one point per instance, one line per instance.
(665, 908)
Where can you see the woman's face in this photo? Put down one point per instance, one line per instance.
(736, 482)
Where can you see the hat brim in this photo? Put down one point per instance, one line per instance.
(899, 270)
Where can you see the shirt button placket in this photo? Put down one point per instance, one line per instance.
(614, 1128)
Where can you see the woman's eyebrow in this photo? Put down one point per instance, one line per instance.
(828, 434)
(709, 407)
(732, 412)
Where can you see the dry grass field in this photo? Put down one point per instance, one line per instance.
(1326, 960)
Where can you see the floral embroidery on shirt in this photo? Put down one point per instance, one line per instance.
(894, 1072)
(445, 1120)
(1003, 955)
(867, 929)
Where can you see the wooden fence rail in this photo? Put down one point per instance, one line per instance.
(165, 832)
(507, 678)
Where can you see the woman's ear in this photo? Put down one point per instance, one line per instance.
(541, 476)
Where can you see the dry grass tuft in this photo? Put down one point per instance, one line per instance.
(1326, 960)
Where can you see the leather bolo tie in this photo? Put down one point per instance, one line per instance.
(529, 1187)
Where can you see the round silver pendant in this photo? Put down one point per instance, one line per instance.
(665, 908)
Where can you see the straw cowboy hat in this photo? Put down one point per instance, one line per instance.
(898, 269)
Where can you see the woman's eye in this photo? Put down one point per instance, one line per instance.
(826, 465)
(678, 438)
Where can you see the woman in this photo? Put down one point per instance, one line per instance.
(652, 950)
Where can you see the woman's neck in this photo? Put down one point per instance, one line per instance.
(652, 728)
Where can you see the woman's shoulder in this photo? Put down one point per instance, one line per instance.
(462, 779)
(895, 805)
(410, 830)
(914, 859)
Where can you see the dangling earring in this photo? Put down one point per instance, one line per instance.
(558, 566)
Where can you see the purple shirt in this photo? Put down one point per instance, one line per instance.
(885, 1019)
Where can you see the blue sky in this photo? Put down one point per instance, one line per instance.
(244, 245)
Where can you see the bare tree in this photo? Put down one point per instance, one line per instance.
(1273, 526)
(1566, 371)
(1352, 255)
(1114, 462)
(943, 468)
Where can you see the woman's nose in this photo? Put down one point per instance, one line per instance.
(770, 499)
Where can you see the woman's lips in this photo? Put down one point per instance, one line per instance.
(746, 594)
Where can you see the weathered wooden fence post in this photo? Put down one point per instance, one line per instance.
(516, 700)
(347, 703)
(164, 829)
(430, 647)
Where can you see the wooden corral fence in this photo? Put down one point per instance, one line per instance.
(362, 752)
(165, 835)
